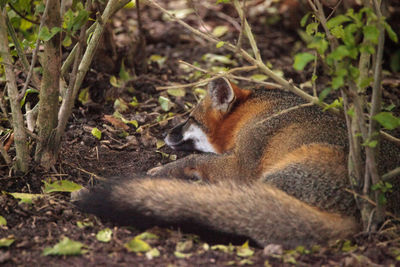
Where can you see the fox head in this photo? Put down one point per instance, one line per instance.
(198, 131)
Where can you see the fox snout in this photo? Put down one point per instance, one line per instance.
(175, 139)
(188, 136)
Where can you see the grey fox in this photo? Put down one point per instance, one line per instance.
(270, 173)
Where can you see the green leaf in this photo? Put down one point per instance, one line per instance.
(349, 31)
(324, 93)
(65, 247)
(338, 32)
(312, 28)
(152, 253)
(347, 247)
(118, 115)
(364, 82)
(220, 44)
(137, 245)
(96, 133)
(178, 92)
(26, 197)
(371, 143)
(181, 255)
(371, 33)
(366, 48)
(61, 186)
(67, 41)
(3, 221)
(83, 96)
(213, 58)
(220, 31)
(337, 103)
(29, 91)
(120, 105)
(304, 19)
(301, 60)
(259, 77)
(337, 82)
(46, 35)
(104, 235)
(123, 73)
(339, 53)
(387, 120)
(6, 242)
(160, 60)
(336, 21)
(390, 32)
(223, 248)
(146, 236)
(79, 20)
(84, 224)
(244, 251)
(319, 43)
(165, 103)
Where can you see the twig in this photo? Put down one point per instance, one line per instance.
(267, 85)
(334, 9)
(150, 125)
(390, 138)
(192, 66)
(285, 111)
(242, 28)
(391, 174)
(70, 59)
(35, 53)
(6, 157)
(21, 146)
(204, 81)
(370, 201)
(70, 96)
(20, 52)
(314, 84)
(284, 83)
(21, 15)
(247, 30)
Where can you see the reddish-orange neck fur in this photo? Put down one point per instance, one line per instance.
(224, 128)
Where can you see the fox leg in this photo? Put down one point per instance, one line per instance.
(257, 211)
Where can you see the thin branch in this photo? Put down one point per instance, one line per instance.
(390, 138)
(70, 96)
(284, 83)
(35, 53)
(204, 81)
(21, 146)
(391, 174)
(70, 59)
(21, 15)
(247, 31)
(285, 111)
(20, 52)
(242, 28)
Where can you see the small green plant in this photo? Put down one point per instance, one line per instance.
(350, 47)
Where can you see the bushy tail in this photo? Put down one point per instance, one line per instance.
(257, 211)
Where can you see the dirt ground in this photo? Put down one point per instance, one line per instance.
(123, 153)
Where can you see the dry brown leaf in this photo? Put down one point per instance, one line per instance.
(117, 123)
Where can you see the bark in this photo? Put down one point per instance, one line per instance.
(20, 140)
(48, 105)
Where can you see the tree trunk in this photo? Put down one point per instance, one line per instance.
(46, 153)
(20, 140)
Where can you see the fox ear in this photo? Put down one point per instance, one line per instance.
(221, 93)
